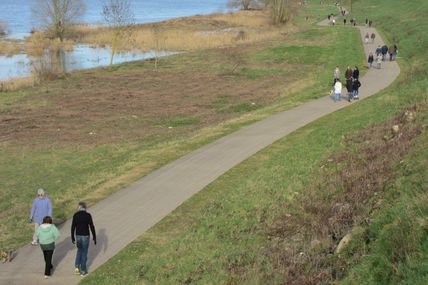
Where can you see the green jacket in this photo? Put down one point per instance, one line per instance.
(47, 234)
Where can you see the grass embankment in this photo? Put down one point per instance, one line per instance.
(279, 216)
(86, 135)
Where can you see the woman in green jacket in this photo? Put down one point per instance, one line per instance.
(47, 234)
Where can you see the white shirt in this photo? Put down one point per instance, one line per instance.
(338, 87)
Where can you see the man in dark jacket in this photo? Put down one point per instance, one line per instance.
(80, 225)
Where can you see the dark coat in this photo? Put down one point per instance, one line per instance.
(349, 85)
(384, 49)
(356, 84)
(356, 73)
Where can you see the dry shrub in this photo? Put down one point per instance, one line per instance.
(350, 189)
(9, 47)
(47, 56)
(38, 44)
(248, 19)
(15, 84)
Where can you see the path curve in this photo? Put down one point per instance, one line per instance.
(125, 215)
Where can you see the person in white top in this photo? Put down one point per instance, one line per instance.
(337, 90)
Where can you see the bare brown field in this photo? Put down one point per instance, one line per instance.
(102, 107)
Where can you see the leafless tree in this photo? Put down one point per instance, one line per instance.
(119, 16)
(282, 10)
(243, 4)
(57, 15)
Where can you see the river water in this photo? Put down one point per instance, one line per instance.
(20, 20)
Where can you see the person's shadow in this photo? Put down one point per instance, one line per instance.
(61, 250)
(101, 246)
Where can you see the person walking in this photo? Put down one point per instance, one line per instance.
(384, 52)
(379, 62)
(349, 88)
(392, 52)
(337, 90)
(47, 234)
(348, 73)
(80, 225)
(378, 50)
(356, 73)
(366, 38)
(336, 74)
(373, 36)
(41, 208)
(370, 60)
(356, 84)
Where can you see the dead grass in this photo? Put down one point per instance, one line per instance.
(9, 47)
(16, 83)
(190, 33)
(38, 43)
(351, 189)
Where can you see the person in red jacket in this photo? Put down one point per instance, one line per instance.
(80, 225)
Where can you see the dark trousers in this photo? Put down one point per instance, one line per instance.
(47, 254)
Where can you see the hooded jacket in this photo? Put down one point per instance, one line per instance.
(47, 234)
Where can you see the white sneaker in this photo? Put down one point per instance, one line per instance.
(34, 242)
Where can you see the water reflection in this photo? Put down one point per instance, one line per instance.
(82, 57)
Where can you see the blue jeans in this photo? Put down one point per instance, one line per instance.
(356, 93)
(337, 96)
(82, 243)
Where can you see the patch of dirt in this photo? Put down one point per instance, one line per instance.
(109, 107)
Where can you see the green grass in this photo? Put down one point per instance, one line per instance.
(220, 236)
(76, 170)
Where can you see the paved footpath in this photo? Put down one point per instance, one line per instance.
(125, 215)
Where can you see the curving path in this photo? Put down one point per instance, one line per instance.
(125, 215)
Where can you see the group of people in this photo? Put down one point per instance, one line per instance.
(381, 53)
(46, 233)
(369, 37)
(332, 20)
(353, 84)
